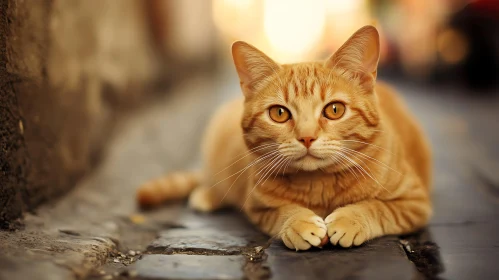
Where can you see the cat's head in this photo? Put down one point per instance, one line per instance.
(309, 115)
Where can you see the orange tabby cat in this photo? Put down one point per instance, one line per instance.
(314, 151)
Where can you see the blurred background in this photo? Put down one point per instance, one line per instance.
(72, 70)
(453, 41)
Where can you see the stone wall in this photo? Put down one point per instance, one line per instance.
(66, 69)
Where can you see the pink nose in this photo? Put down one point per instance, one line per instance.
(307, 141)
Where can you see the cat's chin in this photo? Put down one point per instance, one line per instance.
(310, 163)
(309, 167)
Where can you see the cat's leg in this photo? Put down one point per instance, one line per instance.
(205, 199)
(356, 223)
(298, 227)
(216, 192)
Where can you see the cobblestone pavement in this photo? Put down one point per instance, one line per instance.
(175, 243)
(223, 245)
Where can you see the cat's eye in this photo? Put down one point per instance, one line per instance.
(334, 110)
(279, 114)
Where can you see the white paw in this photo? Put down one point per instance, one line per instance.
(200, 200)
(301, 232)
(344, 230)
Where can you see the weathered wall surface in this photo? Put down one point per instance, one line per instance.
(12, 152)
(66, 67)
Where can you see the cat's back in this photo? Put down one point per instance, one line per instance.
(224, 132)
(223, 143)
(406, 129)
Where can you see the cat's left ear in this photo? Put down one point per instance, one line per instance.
(359, 54)
(252, 66)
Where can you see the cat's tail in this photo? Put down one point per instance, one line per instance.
(174, 186)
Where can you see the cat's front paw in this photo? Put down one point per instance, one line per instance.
(345, 229)
(300, 232)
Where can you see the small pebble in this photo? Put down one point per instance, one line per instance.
(102, 272)
(132, 259)
(133, 273)
(137, 219)
(131, 253)
(258, 249)
(116, 260)
(122, 255)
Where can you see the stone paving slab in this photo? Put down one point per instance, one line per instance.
(189, 267)
(199, 241)
(379, 259)
(468, 251)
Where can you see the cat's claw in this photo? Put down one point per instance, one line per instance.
(301, 232)
(345, 231)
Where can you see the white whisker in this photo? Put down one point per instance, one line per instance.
(256, 184)
(355, 164)
(281, 166)
(272, 165)
(260, 158)
(371, 158)
(384, 149)
(248, 153)
(277, 167)
(367, 173)
(246, 168)
(268, 164)
(287, 164)
(347, 167)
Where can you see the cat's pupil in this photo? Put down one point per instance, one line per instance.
(334, 109)
(281, 111)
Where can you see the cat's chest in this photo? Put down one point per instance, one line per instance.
(322, 194)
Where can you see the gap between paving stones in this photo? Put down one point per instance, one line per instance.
(173, 263)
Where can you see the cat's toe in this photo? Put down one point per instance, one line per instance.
(294, 241)
(344, 231)
(301, 233)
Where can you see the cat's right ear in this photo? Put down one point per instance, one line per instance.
(252, 66)
(359, 54)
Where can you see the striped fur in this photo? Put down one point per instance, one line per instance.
(172, 187)
(366, 174)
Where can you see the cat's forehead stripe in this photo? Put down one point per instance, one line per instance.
(305, 80)
(310, 86)
(297, 85)
(316, 90)
(291, 92)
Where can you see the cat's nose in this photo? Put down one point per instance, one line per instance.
(307, 141)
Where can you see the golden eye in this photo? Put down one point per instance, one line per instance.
(279, 114)
(334, 110)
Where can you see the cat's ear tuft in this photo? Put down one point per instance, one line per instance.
(359, 54)
(252, 66)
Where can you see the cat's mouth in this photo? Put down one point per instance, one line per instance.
(309, 162)
(308, 155)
